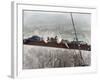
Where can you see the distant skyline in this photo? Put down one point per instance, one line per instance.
(53, 23)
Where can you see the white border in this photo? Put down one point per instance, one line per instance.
(17, 41)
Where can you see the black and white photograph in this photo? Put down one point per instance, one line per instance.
(54, 39)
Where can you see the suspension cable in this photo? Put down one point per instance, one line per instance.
(77, 40)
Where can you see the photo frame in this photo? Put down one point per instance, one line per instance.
(49, 14)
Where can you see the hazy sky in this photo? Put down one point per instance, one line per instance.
(54, 23)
